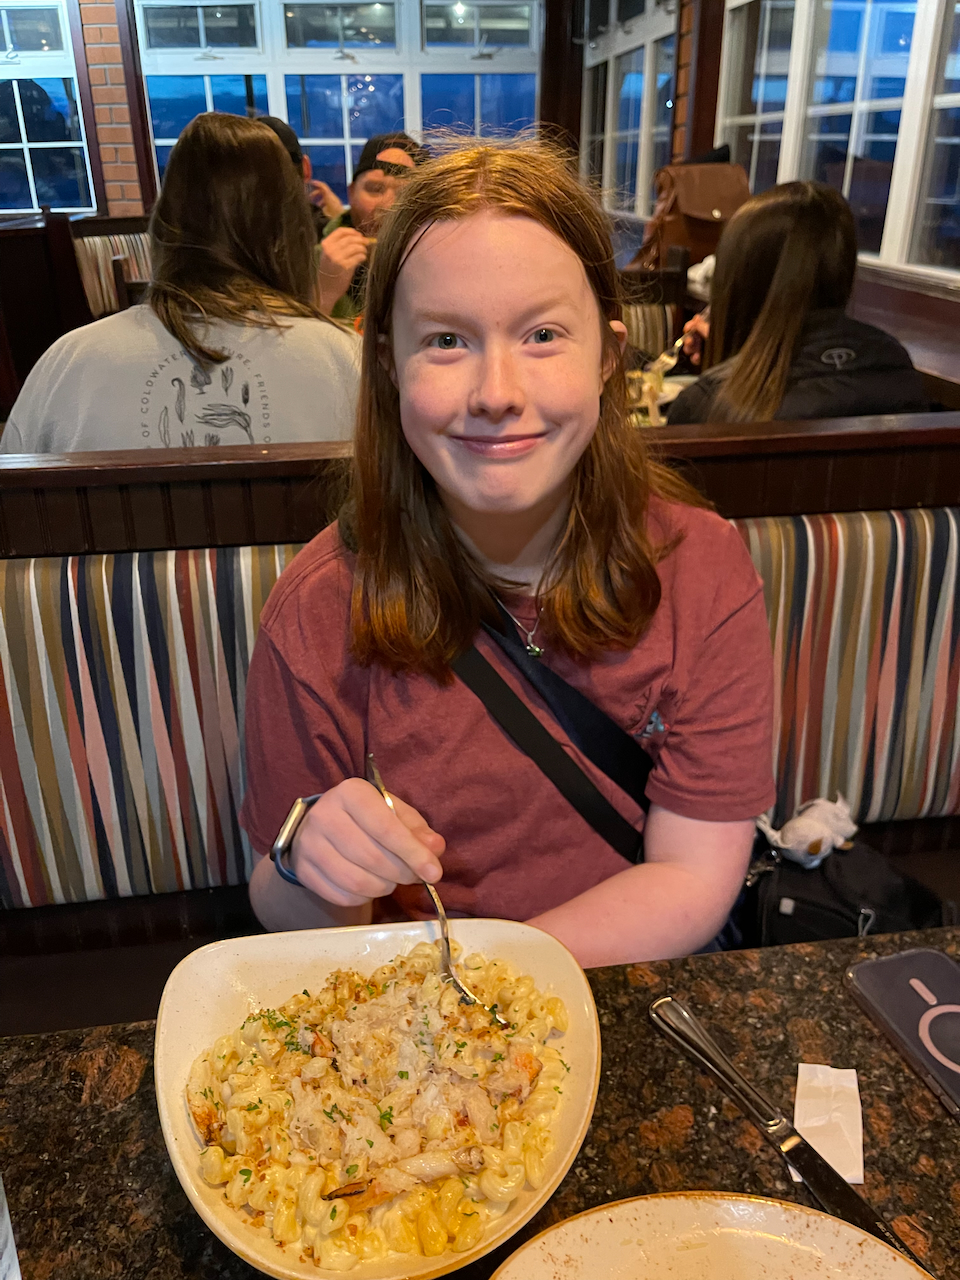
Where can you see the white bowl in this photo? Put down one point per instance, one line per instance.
(214, 989)
(704, 1235)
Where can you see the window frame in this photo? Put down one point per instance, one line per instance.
(68, 62)
(275, 60)
(619, 39)
(916, 116)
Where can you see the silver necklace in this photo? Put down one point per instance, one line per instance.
(534, 650)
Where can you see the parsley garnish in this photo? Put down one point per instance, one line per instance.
(368, 1141)
(335, 1111)
(246, 1174)
(333, 1213)
(351, 1170)
(386, 1118)
(254, 1106)
(404, 1075)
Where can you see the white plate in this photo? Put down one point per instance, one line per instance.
(702, 1235)
(214, 989)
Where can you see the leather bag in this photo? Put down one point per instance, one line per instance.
(694, 204)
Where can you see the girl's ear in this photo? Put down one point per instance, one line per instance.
(620, 333)
(385, 356)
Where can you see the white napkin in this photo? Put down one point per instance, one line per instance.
(827, 1113)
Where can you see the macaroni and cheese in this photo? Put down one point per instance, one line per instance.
(379, 1115)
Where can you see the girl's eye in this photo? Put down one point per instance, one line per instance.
(543, 335)
(444, 341)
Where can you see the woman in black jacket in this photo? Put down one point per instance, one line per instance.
(780, 344)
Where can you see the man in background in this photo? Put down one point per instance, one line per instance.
(348, 237)
(326, 203)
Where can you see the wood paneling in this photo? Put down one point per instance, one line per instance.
(561, 70)
(150, 500)
(701, 108)
(926, 322)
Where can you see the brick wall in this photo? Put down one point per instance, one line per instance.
(111, 108)
(682, 94)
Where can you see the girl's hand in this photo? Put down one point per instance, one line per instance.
(351, 847)
(695, 334)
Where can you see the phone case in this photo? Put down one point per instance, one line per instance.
(914, 998)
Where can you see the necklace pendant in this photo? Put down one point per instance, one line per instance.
(534, 650)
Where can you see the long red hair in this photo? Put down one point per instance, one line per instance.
(419, 595)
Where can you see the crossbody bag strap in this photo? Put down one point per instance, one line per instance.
(591, 730)
(522, 726)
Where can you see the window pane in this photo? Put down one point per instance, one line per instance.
(826, 149)
(374, 105)
(170, 27)
(598, 17)
(758, 38)
(662, 132)
(888, 52)
(870, 178)
(757, 148)
(368, 24)
(230, 26)
(50, 110)
(626, 176)
(60, 176)
(506, 25)
(447, 101)
(449, 24)
(34, 30)
(174, 101)
(664, 54)
(163, 155)
(313, 106)
(627, 9)
(239, 95)
(9, 124)
(836, 50)
(949, 81)
(329, 166)
(597, 97)
(311, 26)
(507, 102)
(324, 26)
(14, 186)
(629, 90)
(938, 230)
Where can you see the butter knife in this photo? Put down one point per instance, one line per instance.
(834, 1193)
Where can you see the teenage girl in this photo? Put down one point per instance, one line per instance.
(494, 463)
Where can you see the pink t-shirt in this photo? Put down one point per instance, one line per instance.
(697, 690)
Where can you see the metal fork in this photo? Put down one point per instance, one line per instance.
(446, 959)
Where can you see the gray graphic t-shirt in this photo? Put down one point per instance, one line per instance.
(125, 383)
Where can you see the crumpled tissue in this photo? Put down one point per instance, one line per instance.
(827, 1113)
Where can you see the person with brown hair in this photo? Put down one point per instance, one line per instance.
(778, 343)
(231, 346)
(497, 485)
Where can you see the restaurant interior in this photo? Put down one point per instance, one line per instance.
(132, 591)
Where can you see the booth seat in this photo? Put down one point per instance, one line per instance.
(123, 677)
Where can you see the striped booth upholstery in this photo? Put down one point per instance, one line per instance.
(122, 685)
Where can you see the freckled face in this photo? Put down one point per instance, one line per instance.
(497, 356)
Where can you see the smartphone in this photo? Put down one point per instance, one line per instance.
(914, 998)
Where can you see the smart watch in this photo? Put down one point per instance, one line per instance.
(284, 841)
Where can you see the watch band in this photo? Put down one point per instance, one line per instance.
(280, 852)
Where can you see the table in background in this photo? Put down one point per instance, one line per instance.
(93, 1196)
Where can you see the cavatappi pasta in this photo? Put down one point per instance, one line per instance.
(378, 1115)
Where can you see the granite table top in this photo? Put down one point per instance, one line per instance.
(93, 1196)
